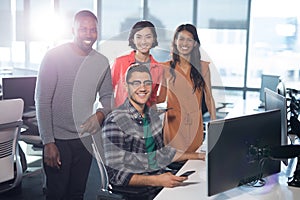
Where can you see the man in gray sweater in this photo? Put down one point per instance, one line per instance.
(70, 78)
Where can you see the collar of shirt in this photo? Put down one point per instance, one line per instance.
(136, 116)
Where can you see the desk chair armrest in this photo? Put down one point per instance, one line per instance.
(11, 124)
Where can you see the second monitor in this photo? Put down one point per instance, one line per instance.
(20, 87)
(277, 101)
(270, 82)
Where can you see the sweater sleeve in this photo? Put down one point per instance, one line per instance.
(106, 93)
(45, 88)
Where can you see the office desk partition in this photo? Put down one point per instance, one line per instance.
(195, 187)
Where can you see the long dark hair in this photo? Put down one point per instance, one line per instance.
(198, 81)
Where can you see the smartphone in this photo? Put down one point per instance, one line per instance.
(187, 173)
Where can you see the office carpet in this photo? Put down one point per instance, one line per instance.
(32, 185)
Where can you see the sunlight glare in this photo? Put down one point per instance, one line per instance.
(49, 27)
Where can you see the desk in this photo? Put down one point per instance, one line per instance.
(195, 187)
(245, 107)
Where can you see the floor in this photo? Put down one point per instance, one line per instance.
(32, 184)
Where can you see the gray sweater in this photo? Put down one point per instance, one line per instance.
(66, 91)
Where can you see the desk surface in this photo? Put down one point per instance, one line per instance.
(195, 187)
(244, 107)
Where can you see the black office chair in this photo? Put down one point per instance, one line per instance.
(111, 192)
(219, 113)
(293, 110)
(105, 192)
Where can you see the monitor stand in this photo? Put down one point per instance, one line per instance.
(257, 183)
(261, 105)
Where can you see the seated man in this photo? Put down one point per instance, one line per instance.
(286, 152)
(135, 154)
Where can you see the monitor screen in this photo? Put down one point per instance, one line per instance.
(273, 101)
(20, 87)
(267, 81)
(232, 159)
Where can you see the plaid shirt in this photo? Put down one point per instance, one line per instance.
(124, 144)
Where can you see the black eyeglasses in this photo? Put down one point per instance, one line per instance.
(136, 84)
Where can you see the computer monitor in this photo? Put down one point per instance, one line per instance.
(270, 82)
(273, 101)
(20, 87)
(236, 150)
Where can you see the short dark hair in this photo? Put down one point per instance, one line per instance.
(139, 26)
(84, 13)
(136, 67)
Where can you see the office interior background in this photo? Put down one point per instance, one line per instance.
(243, 38)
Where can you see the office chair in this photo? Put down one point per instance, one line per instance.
(105, 192)
(293, 112)
(33, 142)
(113, 192)
(219, 113)
(10, 125)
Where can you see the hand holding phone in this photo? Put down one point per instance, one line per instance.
(187, 173)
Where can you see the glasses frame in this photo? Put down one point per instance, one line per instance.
(138, 83)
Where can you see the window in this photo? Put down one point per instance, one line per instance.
(222, 30)
(117, 18)
(274, 41)
(32, 27)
